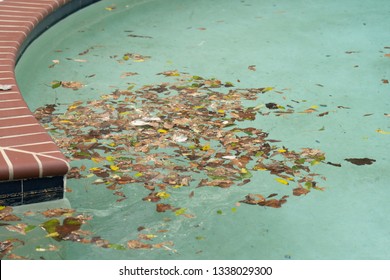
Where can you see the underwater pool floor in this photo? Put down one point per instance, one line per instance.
(212, 130)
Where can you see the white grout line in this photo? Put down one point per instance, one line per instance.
(22, 135)
(16, 117)
(13, 31)
(14, 108)
(40, 166)
(13, 42)
(20, 125)
(21, 12)
(9, 100)
(8, 47)
(24, 17)
(9, 164)
(23, 7)
(33, 144)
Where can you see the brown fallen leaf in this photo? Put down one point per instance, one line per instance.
(19, 228)
(136, 244)
(72, 85)
(300, 191)
(252, 67)
(274, 203)
(161, 207)
(361, 161)
(57, 212)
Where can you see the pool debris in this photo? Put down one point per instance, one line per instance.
(5, 87)
(361, 161)
(135, 57)
(159, 136)
(67, 84)
(170, 138)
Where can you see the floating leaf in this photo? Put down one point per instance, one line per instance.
(71, 84)
(281, 181)
(382, 131)
(56, 84)
(57, 212)
(300, 191)
(361, 161)
(136, 244)
(20, 228)
(163, 195)
(114, 167)
(161, 207)
(180, 211)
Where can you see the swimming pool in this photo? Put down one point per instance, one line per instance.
(180, 115)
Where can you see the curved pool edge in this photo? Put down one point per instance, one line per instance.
(32, 167)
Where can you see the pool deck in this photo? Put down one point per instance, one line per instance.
(32, 167)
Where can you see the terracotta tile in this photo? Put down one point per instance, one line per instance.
(9, 95)
(53, 167)
(45, 147)
(30, 15)
(12, 104)
(8, 16)
(23, 140)
(15, 112)
(16, 28)
(24, 165)
(17, 121)
(41, 8)
(4, 171)
(20, 130)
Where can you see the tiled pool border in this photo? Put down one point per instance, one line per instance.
(32, 167)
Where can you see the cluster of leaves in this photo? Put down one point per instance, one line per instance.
(159, 136)
(65, 225)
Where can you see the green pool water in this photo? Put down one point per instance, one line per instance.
(323, 64)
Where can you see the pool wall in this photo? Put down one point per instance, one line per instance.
(32, 167)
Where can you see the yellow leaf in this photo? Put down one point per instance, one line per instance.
(114, 167)
(163, 131)
(163, 195)
(180, 211)
(282, 150)
(282, 181)
(206, 147)
(65, 121)
(96, 160)
(95, 169)
(221, 111)
(112, 144)
(382, 131)
(53, 234)
(259, 168)
(110, 158)
(267, 89)
(243, 171)
(139, 174)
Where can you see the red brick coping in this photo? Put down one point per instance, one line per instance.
(26, 149)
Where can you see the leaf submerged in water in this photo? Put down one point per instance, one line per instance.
(361, 161)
